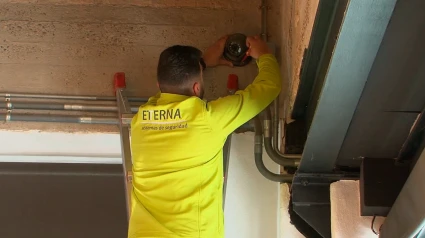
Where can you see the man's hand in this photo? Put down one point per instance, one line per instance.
(257, 47)
(213, 56)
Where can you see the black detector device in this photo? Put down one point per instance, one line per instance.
(235, 50)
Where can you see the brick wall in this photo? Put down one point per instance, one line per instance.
(290, 24)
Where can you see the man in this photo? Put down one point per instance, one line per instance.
(177, 141)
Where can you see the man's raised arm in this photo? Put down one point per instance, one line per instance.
(228, 113)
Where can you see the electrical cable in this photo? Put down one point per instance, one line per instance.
(372, 228)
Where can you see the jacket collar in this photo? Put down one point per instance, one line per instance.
(170, 98)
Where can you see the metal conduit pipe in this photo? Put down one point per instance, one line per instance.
(288, 156)
(272, 152)
(258, 153)
(282, 159)
(275, 105)
(59, 118)
(60, 106)
(11, 116)
(69, 97)
(268, 142)
(264, 9)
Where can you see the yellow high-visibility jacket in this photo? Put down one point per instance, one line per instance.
(176, 144)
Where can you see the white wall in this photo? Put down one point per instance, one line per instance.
(251, 208)
(60, 144)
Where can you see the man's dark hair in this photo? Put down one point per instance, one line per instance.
(177, 66)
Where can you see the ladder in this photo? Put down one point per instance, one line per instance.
(124, 119)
